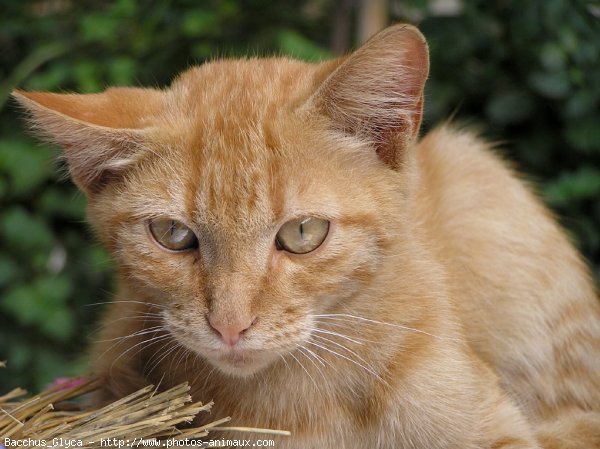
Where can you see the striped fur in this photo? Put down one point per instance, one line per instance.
(446, 309)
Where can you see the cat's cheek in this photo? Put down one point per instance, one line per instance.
(168, 275)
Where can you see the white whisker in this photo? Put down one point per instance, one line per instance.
(123, 301)
(341, 346)
(349, 318)
(147, 330)
(156, 363)
(348, 359)
(282, 357)
(305, 370)
(316, 356)
(358, 341)
(143, 343)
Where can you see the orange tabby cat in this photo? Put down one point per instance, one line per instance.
(287, 245)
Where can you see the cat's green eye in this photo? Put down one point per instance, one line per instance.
(172, 234)
(302, 235)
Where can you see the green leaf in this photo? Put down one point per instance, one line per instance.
(66, 204)
(23, 304)
(54, 290)
(122, 71)
(3, 190)
(26, 164)
(578, 185)
(580, 104)
(42, 303)
(8, 269)
(88, 75)
(25, 232)
(59, 324)
(550, 84)
(553, 56)
(509, 107)
(199, 21)
(99, 27)
(294, 44)
(584, 134)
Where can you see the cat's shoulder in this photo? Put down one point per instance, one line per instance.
(457, 155)
(458, 144)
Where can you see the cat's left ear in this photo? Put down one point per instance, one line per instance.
(377, 91)
(101, 134)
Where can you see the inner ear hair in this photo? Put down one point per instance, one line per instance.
(86, 126)
(377, 91)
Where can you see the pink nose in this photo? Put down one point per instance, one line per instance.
(230, 332)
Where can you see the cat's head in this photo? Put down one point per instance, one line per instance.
(252, 195)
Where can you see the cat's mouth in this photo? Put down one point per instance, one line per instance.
(237, 358)
(239, 362)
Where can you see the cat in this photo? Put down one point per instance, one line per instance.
(288, 244)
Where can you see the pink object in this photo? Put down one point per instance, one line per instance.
(64, 383)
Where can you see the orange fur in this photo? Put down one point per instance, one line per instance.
(445, 308)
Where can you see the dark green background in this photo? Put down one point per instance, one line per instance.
(526, 73)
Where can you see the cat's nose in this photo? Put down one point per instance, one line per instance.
(230, 332)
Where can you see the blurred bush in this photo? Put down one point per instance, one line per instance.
(527, 72)
(50, 268)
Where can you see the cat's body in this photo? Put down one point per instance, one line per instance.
(441, 307)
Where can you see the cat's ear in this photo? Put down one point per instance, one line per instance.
(101, 134)
(377, 91)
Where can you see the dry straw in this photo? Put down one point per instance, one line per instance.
(143, 415)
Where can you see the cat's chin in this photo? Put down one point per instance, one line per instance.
(239, 363)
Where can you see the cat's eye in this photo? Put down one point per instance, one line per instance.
(302, 235)
(172, 234)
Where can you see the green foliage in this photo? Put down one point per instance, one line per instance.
(527, 73)
(50, 268)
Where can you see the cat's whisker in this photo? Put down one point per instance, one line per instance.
(366, 368)
(188, 354)
(308, 355)
(147, 330)
(358, 341)
(304, 369)
(123, 339)
(344, 325)
(176, 360)
(150, 304)
(178, 357)
(282, 357)
(146, 318)
(302, 350)
(155, 354)
(327, 364)
(141, 345)
(155, 361)
(352, 318)
(339, 345)
(316, 356)
(206, 378)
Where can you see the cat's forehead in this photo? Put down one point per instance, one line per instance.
(239, 142)
(244, 89)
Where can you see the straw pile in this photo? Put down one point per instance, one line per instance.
(146, 416)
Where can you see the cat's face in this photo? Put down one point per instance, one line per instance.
(252, 197)
(253, 227)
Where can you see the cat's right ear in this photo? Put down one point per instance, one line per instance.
(101, 134)
(376, 92)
